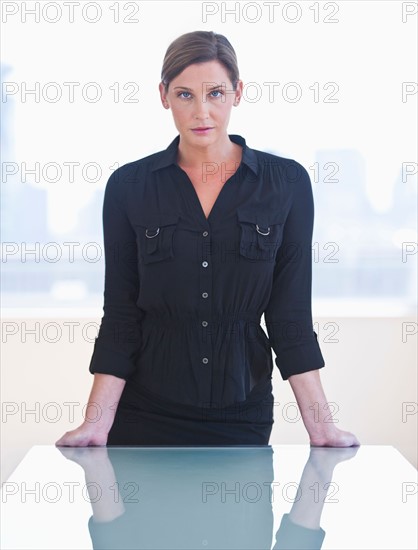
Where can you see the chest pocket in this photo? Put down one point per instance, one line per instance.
(155, 233)
(261, 233)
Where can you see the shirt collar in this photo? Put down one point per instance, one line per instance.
(169, 155)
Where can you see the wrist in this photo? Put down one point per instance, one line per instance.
(319, 428)
(322, 433)
(99, 419)
(96, 428)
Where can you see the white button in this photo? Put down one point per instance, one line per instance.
(205, 264)
(205, 360)
(205, 233)
(205, 294)
(205, 323)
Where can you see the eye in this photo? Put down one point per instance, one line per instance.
(180, 95)
(217, 92)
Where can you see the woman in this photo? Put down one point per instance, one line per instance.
(200, 240)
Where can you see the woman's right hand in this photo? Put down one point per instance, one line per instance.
(85, 435)
(102, 403)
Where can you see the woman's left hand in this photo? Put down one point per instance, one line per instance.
(334, 438)
(314, 408)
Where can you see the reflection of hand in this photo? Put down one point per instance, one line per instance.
(322, 460)
(85, 435)
(89, 458)
(315, 482)
(98, 472)
(325, 459)
(334, 438)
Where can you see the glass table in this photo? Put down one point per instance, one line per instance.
(241, 497)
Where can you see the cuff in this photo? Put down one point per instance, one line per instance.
(109, 361)
(292, 536)
(299, 359)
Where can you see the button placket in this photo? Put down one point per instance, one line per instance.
(205, 307)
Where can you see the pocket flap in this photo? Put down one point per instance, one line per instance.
(263, 218)
(153, 220)
(155, 230)
(261, 232)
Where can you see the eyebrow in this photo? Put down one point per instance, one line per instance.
(190, 90)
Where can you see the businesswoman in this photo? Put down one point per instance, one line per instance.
(201, 239)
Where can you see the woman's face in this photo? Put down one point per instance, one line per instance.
(201, 97)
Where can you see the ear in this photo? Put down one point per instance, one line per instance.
(163, 95)
(238, 92)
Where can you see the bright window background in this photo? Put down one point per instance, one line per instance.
(360, 149)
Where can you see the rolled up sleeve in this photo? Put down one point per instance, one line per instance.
(119, 337)
(288, 315)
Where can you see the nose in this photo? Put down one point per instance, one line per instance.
(201, 109)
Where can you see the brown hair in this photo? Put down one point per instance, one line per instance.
(198, 47)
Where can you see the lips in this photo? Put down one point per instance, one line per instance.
(203, 128)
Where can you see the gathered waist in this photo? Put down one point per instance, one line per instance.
(193, 320)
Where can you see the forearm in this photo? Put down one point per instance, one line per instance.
(103, 400)
(312, 403)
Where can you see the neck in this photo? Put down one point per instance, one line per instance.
(193, 156)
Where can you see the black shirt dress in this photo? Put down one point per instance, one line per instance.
(184, 296)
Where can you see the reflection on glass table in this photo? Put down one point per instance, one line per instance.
(251, 497)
